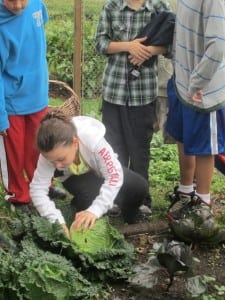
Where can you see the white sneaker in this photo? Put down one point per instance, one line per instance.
(114, 211)
(145, 209)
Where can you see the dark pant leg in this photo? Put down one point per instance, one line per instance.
(138, 124)
(111, 118)
(131, 195)
(140, 121)
(84, 188)
(129, 130)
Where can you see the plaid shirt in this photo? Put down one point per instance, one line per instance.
(118, 22)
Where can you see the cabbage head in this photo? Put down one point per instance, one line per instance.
(100, 238)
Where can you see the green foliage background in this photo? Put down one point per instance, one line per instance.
(60, 36)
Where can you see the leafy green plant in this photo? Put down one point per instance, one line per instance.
(60, 45)
(48, 262)
(60, 50)
(220, 289)
(91, 108)
(33, 274)
(56, 7)
(101, 236)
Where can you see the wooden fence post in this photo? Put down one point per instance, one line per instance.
(77, 58)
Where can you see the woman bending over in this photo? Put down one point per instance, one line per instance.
(90, 172)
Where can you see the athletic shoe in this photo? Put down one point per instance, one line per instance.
(199, 201)
(141, 217)
(180, 204)
(144, 209)
(114, 212)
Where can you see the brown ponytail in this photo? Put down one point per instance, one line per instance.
(55, 129)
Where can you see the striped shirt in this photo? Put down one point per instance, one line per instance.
(118, 22)
(199, 56)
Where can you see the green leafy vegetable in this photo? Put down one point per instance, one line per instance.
(100, 238)
(37, 261)
(37, 274)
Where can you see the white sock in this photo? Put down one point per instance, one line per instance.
(204, 197)
(187, 189)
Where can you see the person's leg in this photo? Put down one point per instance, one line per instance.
(139, 125)
(184, 197)
(132, 194)
(129, 198)
(187, 166)
(216, 144)
(174, 121)
(200, 142)
(175, 126)
(17, 189)
(204, 174)
(205, 140)
(84, 188)
(111, 118)
(184, 192)
(161, 109)
(32, 122)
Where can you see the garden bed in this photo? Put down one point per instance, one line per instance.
(208, 261)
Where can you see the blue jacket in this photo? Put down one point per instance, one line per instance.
(23, 65)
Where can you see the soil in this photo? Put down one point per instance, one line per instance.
(208, 260)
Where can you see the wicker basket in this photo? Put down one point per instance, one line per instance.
(71, 106)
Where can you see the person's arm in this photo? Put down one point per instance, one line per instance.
(156, 50)
(66, 230)
(107, 43)
(84, 219)
(111, 170)
(134, 48)
(152, 50)
(214, 44)
(45, 13)
(39, 188)
(4, 122)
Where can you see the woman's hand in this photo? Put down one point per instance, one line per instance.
(66, 230)
(85, 218)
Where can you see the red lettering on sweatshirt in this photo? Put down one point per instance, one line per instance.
(111, 169)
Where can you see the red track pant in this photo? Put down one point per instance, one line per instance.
(19, 155)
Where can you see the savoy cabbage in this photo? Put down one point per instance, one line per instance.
(37, 261)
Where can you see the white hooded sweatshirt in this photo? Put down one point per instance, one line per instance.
(99, 156)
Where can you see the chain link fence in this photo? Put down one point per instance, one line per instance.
(64, 41)
(92, 63)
